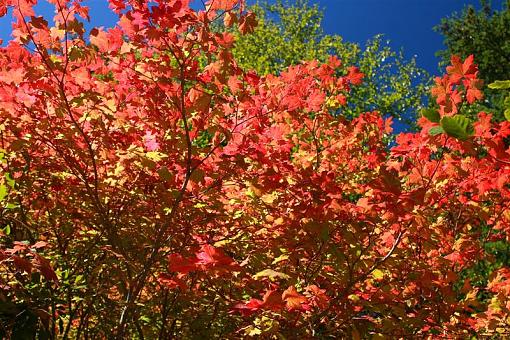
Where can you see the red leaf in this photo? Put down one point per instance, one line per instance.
(455, 257)
(455, 69)
(179, 264)
(99, 38)
(473, 87)
(213, 257)
(247, 23)
(45, 268)
(225, 5)
(354, 76)
(273, 300)
(22, 264)
(318, 296)
(39, 244)
(247, 309)
(469, 67)
(3, 8)
(150, 141)
(171, 282)
(229, 19)
(293, 299)
(459, 69)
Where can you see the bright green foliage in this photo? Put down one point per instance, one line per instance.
(486, 34)
(500, 85)
(290, 32)
(503, 85)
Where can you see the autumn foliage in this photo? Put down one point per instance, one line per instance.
(153, 189)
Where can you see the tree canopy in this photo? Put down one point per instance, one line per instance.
(290, 32)
(151, 187)
(484, 33)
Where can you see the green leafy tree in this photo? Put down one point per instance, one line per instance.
(484, 33)
(288, 33)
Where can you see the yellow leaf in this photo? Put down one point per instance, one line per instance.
(253, 331)
(278, 221)
(268, 198)
(353, 297)
(377, 274)
(271, 274)
(280, 258)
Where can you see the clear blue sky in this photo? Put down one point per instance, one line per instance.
(407, 23)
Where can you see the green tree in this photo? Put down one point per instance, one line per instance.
(485, 33)
(290, 32)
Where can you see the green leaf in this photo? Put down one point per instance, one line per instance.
(7, 230)
(500, 84)
(3, 191)
(507, 114)
(506, 102)
(431, 114)
(457, 126)
(436, 130)
(78, 279)
(9, 180)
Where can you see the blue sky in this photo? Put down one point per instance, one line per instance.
(406, 23)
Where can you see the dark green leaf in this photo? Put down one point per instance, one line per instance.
(431, 114)
(164, 173)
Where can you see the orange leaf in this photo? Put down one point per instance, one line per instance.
(225, 5)
(293, 299)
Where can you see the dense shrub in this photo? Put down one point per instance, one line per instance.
(151, 188)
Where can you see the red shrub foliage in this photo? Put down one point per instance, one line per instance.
(177, 195)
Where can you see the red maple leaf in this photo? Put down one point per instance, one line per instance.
(22, 264)
(177, 263)
(473, 87)
(272, 300)
(171, 282)
(247, 23)
(225, 5)
(354, 76)
(214, 257)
